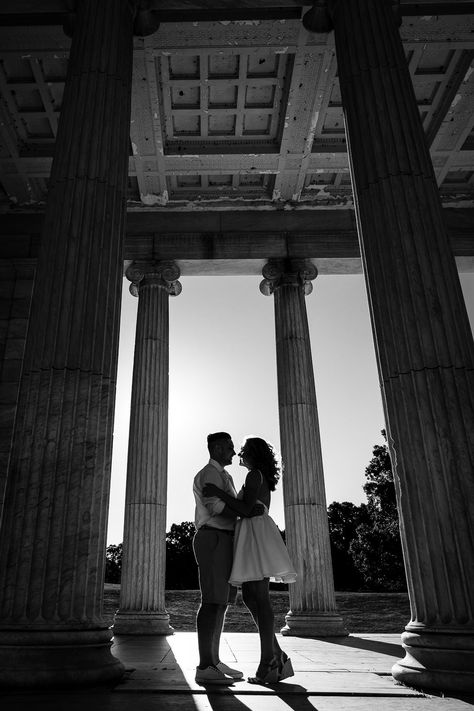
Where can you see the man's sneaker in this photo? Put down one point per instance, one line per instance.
(234, 673)
(212, 675)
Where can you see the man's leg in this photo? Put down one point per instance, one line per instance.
(216, 639)
(209, 622)
(213, 551)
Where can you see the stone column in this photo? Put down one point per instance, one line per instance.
(16, 278)
(313, 610)
(423, 340)
(52, 541)
(142, 594)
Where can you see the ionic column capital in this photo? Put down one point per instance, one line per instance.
(319, 19)
(145, 21)
(292, 272)
(162, 274)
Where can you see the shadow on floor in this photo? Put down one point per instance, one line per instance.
(97, 700)
(372, 645)
(299, 702)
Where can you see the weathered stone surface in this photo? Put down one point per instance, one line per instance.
(423, 341)
(52, 541)
(16, 283)
(312, 600)
(142, 594)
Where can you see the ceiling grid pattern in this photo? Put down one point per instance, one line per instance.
(235, 113)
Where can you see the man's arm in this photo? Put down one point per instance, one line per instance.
(247, 507)
(229, 513)
(214, 504)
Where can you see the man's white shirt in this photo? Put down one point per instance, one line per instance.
(209, 509)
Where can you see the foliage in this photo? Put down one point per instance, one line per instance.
(343, 519)
(113, 563)
(376, 552)
(379, 487)
(181, 568)
(376, 548)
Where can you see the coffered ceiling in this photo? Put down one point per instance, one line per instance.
(232, 112)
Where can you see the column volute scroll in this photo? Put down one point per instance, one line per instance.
(318, 19)
(292, 272)
(161, 274)
(145, 21)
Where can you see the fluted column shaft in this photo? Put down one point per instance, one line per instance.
(423, 341)
(52, 541)
(312, 600)
(142, 595)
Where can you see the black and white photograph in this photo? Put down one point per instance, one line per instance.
(236, 355)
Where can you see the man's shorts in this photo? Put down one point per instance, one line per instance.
(214, 552)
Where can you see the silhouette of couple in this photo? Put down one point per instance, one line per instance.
(238, 544)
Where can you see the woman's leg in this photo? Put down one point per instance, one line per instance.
(256, 596)
(250, 602)
(252, 606)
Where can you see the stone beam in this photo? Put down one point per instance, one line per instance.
(168, 9)
(240, 242)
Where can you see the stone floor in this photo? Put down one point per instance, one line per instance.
(351, 673)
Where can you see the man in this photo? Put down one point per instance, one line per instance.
(213, 550)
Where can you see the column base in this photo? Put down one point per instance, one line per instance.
(32, 659)
(437, 661)
(142, 622)
(314, 624)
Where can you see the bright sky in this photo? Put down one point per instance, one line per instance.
(223, 377)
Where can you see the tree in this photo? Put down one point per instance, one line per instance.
(181, 567)
(380, 488)
(343, 519)
(375, 548)
(113, 563)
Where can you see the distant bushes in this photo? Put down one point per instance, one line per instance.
(181, 568)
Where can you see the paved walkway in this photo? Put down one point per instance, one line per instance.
(351, 673)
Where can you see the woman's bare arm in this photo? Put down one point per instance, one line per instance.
(243, 507)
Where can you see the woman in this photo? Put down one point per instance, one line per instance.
(259, 553)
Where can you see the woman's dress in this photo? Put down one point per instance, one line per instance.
(259, 552)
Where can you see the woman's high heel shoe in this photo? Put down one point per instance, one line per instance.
(285, 667)
(271, 675)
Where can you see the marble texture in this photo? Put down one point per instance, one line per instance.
(313, 609)
(142, 595)
(52, 541)
(423, 341)
(16, 285)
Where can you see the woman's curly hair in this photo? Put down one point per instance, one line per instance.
(262, 456)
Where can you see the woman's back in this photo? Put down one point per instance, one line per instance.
(264, 494)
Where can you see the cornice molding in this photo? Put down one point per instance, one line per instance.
(54, 12)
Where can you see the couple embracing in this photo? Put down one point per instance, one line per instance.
(238, 544)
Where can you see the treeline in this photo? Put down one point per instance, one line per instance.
(181, 568)
(365, 540)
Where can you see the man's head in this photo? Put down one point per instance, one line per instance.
(221, 447)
